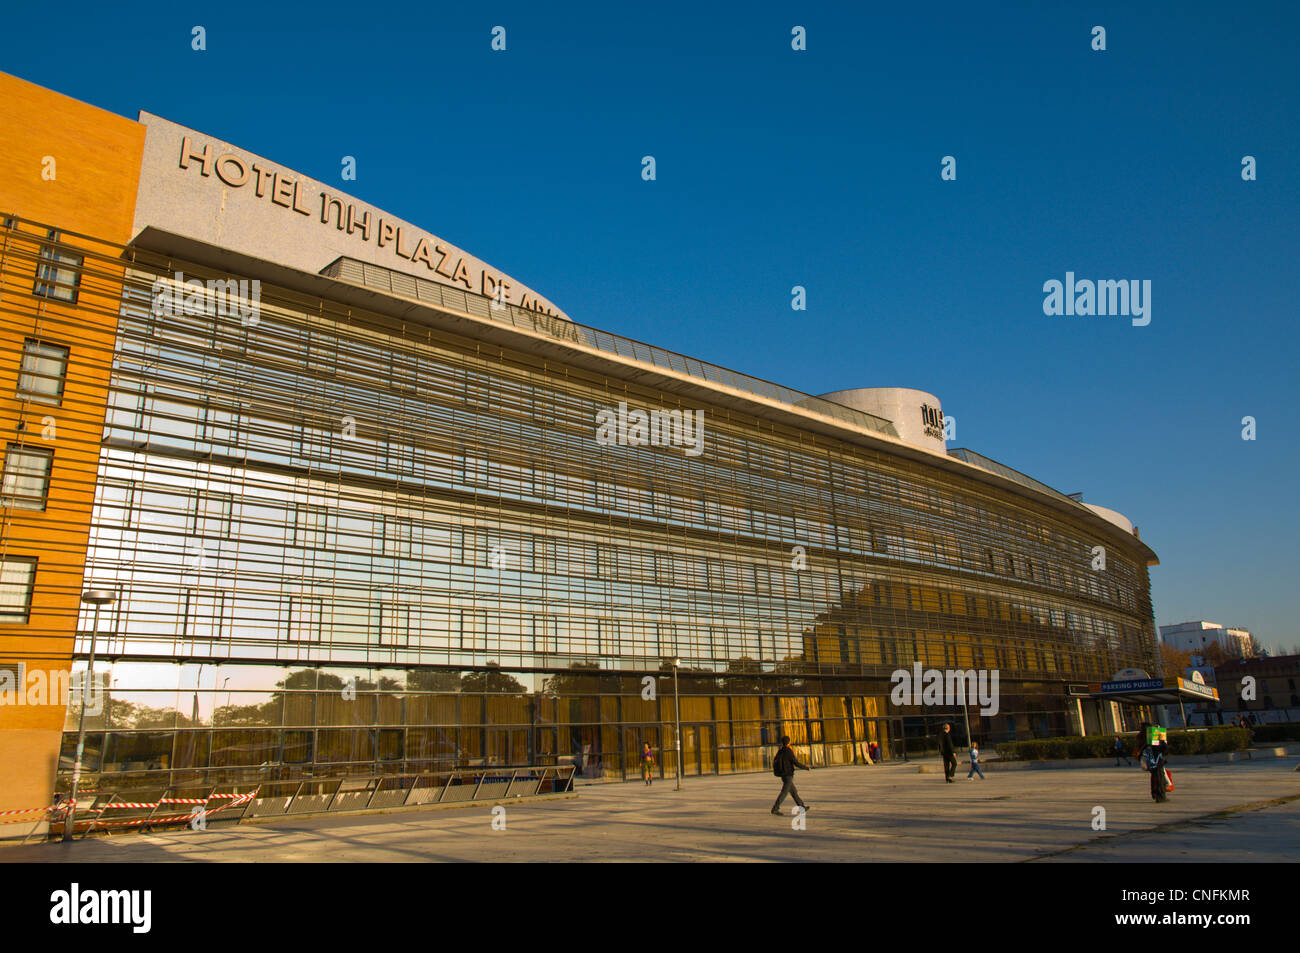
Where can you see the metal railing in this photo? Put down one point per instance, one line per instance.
(331, 795)
(396, 283)
(142, 808)
(146, 808)
(1001, 469)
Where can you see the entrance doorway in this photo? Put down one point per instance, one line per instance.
(699, 750)
(885, 734)
(634, 737)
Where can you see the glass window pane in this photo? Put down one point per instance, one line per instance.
(26, 477)
(17, 577)
(43, 369)
(59, 272)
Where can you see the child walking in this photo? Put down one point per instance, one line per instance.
(974, 762)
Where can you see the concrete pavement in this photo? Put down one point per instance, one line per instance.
(880, 813)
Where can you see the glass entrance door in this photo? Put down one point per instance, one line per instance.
(699, 750)
(635, 737)
(690, 751)
(878, 741)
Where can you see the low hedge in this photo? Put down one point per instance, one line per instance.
(1208, 741)
(1272, 734)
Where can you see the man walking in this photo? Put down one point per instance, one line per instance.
(949, 756)
(1119, 753)
(783, 766)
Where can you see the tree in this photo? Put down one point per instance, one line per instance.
(1215, 655)
(1176, 661)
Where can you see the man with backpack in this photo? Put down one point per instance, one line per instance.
(783, 766)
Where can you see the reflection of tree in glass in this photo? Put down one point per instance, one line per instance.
(491, 680)
(244, 716)
(125, 714)
(269, 712)
(742, 676)
(433, 680)
(581, 679)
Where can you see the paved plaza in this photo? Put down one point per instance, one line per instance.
(1247, 811)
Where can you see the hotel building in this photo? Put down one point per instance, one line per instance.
(346, 484)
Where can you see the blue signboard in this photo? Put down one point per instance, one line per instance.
(1133, 685)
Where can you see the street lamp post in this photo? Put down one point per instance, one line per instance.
(677, 704)
(96, 598)
(965, 710)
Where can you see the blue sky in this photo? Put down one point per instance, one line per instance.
(821, 168)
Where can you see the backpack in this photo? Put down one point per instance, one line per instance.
(777, 763)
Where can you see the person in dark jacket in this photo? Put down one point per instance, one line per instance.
(1156, 756)
(783, 766)
(949, 756)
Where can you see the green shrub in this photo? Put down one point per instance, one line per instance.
(1207, 741)
(1276, 734)
(1081, 748)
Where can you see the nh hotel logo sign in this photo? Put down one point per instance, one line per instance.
(446, 265)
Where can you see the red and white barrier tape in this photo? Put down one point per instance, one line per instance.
(59, 811)
(236, 800)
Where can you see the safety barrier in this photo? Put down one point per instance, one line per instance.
(109, 811)
(105, 812)
(335, 795)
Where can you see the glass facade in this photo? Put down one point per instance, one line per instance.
(287, 722)
(346, 542)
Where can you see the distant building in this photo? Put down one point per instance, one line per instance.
(1277, 683)
(1199, 636)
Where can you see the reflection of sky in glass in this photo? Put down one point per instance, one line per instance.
(177, 683)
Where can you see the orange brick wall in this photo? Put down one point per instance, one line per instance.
(89, 188)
